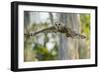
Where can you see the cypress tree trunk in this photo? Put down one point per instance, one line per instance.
(68, 48)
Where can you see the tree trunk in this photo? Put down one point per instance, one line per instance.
(68, 48)
(28, 53)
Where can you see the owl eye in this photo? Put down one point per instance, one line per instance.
(56, 25)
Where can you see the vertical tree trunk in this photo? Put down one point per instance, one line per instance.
(28, 53)
(68, 48)
(51, 18)
(26, 19)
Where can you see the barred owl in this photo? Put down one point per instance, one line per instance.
(68, 31)
(59, 28)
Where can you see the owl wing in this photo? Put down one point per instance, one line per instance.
(73, 34)
(80, 36)
(51, 29)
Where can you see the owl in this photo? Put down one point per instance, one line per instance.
(68, 31)
(59, 28)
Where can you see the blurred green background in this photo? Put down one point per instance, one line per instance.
(44, 46)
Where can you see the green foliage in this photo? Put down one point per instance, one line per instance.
(85, 29)
(40, 52)
(85, 24)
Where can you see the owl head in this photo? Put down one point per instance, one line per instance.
(59, 26)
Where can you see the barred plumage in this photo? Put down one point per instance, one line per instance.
(68, 31)
(58, 28)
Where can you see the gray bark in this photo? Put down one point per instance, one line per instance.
(28, 54)
(26, 19)
(68, 48)
(51, 18)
